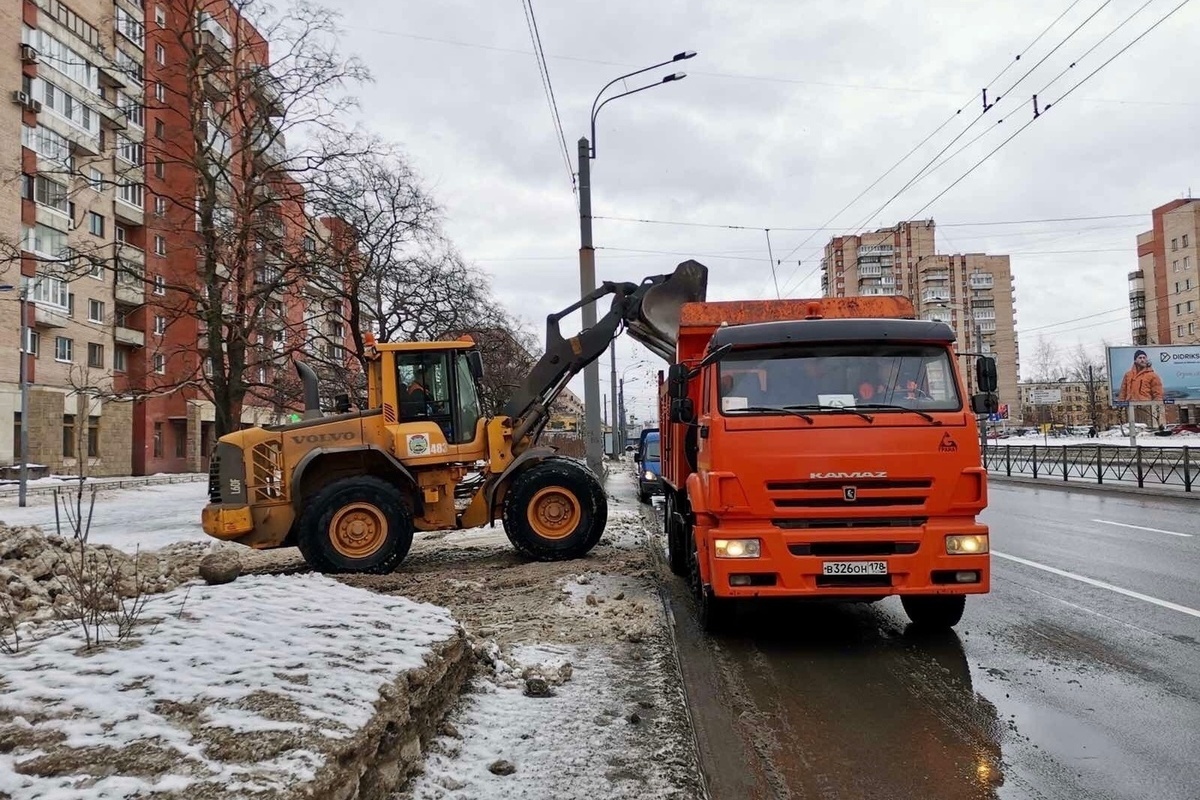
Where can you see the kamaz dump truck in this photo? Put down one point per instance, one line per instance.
(351, 488)
(821, 449)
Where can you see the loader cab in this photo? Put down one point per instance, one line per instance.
(435, 384)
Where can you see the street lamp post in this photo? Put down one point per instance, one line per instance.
(23, 480)
(587, 253)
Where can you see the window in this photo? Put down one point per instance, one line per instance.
(96, 270)
(68, 436)
(95, 311)
(160, 16)
(179, 434)
(131, 27)
(95, 355)
(1174, 245)
(67, 106)
(160, 284)
(46, 143)
(911, 376)
(160, 245)
(46, 241)
(160, 363)
(158, 440)
(160, 129)
(160, 54)
(64, 349)
(160, 325)
(132, 109)
(118, 360)
(50, 291)
(160, 168)
(1187, 263)
(93, 437)
(1179, 330)
(160, 93)
(96, 180)
(35, 343)
(95, 224)
(62, 59)
(130, 193)
(1185, 240)
(129, 151)
(1190, 304)
(160, 206)
(1191, 328)
(122, 234)
(50, 194)
(1175, 265)
(423, 386)
(467, 401)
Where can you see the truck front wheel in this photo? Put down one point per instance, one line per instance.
(356, 525)
(677, 538)
(555, 510)
(934, 611)
(712, 613)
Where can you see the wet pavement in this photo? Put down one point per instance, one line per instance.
(1078, 676)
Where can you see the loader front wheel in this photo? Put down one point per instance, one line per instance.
(555, 510)
(356, 525)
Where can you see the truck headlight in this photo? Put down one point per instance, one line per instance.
(649, 476)
(967, 544)
(738, 548)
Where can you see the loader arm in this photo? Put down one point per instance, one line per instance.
(650, 309)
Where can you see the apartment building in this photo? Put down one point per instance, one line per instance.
(1080, 403)
(973, 292)
(101, 225)
(1164, 291)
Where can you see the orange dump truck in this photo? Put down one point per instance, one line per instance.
(822, 449)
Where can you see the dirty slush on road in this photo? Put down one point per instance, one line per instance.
(576, 691)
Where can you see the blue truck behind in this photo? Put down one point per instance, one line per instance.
(648, 463)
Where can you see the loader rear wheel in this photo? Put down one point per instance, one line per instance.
(356, 525)
(555, 510)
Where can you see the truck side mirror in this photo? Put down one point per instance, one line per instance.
(985, 374)
(475, 364)
(985, 403)
(683, 410)
(677, 381)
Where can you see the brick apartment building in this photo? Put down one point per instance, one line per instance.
(100, 226)
(971, 292)
(1080, 403)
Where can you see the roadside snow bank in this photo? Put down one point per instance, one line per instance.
(271, 686)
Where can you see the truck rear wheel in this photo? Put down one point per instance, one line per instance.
(356, 525)
(934, 611)
(677, 538)
(555, 510)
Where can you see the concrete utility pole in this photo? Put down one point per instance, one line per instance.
(587, 284)
(612, 357)
(621, 408)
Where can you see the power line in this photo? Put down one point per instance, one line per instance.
(1082, 81)
(921, 144)
(727, 226)
(544, 71)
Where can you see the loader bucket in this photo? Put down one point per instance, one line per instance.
(656, 322)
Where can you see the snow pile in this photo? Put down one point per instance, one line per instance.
(145, 518)
(626, 530)
(37, 572)
(230, 691)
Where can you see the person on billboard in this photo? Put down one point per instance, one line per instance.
(1141, 383)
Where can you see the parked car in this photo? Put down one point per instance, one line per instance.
(649, 465)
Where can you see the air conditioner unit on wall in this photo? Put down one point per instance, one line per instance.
(29, 54)
(20, 98)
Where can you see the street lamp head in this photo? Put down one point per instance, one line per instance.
(685, 55)
(675, 76)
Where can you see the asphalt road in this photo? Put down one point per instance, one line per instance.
(1078, 676)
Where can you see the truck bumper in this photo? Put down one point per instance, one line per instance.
(226, 522)
(916, 563)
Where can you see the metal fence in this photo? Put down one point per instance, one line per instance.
(11, 489)
(1141, 466)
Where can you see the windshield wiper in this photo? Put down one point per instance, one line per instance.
(902, 408)
(835, 409)
(783, 409)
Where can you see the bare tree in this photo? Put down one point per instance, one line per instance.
(1047, 360)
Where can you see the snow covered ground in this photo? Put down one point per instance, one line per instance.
(148, 517)
(239, 689)
(1105, 440)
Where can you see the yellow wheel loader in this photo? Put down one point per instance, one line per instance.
(351, 488)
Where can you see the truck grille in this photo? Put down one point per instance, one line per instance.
(868, 493)
(853, 548)
(214, 476)
(266, 478)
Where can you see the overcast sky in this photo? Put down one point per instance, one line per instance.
(789, 111)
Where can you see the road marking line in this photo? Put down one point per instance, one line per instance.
(1100, 584)
(1141, 528)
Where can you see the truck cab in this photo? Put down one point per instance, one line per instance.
(824, 449)
(648, 460)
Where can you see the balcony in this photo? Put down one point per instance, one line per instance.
(936, 316)
(984, 313)
(129, 336)
(129, 213)
(867, 271)
(134, 257)
(878, 291)
(131, 283)
(266, 90)
(49, 316)
(935, 276)
(981, 281)
(935, 296)
(987, 327)
(215, 41)
(875, 250)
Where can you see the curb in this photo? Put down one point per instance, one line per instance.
(1093, 488)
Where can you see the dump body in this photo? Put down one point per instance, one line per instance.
(854, 501)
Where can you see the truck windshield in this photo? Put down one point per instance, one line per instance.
(919, 377)
(651, 451)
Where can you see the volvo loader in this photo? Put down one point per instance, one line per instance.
(350, 489)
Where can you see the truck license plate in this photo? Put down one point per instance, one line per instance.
(854, 568)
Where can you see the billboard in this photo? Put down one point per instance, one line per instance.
(1000, 415)
(1154, 374)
